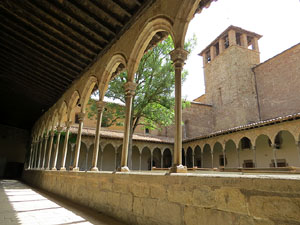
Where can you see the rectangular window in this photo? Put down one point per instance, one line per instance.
(280, 163)
(248, 163)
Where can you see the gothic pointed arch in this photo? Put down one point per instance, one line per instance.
(88, 88)
(117, 62)
(72, 102)
(151, 27)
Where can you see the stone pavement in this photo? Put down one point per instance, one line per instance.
(21, 204)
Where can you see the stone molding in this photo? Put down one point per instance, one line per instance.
(179, 56)
(100, 105)
(130, 88)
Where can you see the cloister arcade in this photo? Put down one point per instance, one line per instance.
(125, 55)
(259, 147)
(109, 157)
(276, 145)
(269, 146)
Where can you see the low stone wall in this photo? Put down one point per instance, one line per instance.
(186, 199)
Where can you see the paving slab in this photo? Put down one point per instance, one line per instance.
(21, 204)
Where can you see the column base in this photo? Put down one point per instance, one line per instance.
(178, 169)
(54, 168)
(63, 169)
(95, 169)
(124, 169)
(75, 169)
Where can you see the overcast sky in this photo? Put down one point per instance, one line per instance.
(278, 21)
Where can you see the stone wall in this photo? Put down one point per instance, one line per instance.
(230, 87)
(278, 84)
(197, 120)
(13, 144)
(185, 199)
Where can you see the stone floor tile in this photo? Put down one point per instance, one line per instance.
(23, 205)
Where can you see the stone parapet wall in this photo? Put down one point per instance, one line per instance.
(185, 199)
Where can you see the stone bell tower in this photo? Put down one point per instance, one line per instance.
(229, 79)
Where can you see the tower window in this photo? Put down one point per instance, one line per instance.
(217, 49)
(226, 42)
(208, 58)
(238, 39)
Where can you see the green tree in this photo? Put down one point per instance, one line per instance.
(153, 102)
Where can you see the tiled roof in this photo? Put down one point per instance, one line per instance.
(169, 140)
(119, 135)
(248, 126)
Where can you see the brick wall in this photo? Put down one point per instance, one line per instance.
(278, 84)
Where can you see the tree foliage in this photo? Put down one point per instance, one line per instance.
(153, 102)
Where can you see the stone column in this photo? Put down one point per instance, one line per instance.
(71, 157)
(36, 154)
(202, 166)
(45, 151)
(212, 160)
(116, 158)
(140, 166)
(101, 161)
(129, 93)
(224, 158)
(58, 130)
(50, 148)
(213, 52)
(255, 43)
(65, 147)
(298, 148)
(161, 161)
(193, 160)
(253, 148)
(100, 107)
(231, 37)
(221, 45)
(40, 153)
(151, 160)
(31, 155)
(274, 155)
(238, 157)
(244, 41)
(78, 141)
(178, 56)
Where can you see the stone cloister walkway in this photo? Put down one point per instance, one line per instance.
(21, 204)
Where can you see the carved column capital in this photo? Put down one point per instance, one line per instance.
(100, 105)
(52, 133)
(130, 88)
(68, 124)
(178, 56)
(59, 129)
(81, 116)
